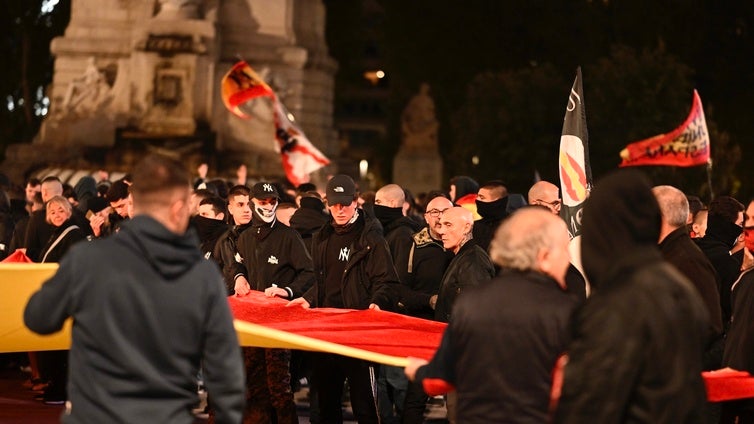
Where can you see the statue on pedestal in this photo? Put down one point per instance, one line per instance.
(179, 9)
(418, 122)
(87, 93)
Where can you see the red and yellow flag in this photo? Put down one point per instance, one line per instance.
(687, 145)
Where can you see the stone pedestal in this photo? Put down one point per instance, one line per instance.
(418, 171)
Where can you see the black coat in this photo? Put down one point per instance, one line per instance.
(227, 257)
(308, 219)
(369, 276)
(57, 246)
(637, 344)
(399, 237)
(678, 249)
(501, 347)
(275, 254)
(427, 263)
(470, 267)
(716, 244)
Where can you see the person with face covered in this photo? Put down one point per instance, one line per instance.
(353, 270)
(277, 263)
(725, 221)
(637, 342)
(398, 231)
(492, 205)
(739, 342)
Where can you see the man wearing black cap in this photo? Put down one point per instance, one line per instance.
(277, 262)
(354, 270)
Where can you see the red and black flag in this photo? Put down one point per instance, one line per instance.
(687, 145)
(575, 172)
(242, 85)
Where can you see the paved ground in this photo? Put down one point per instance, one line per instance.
(18, 406)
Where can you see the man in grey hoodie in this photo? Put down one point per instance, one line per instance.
(147, 311)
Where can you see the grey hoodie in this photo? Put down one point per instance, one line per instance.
(147, 310)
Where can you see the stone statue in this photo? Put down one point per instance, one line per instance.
(179, 9)
(87, 93)
(418, 121)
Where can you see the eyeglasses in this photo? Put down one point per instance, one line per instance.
(555, 204)
(434, 213)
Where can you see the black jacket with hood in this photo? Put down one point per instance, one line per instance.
(369, 276)
(636, 351)
(147, 312)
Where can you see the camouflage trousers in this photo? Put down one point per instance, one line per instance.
(268, 386)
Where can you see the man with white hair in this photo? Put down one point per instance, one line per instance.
(678, 249)
(506, 336)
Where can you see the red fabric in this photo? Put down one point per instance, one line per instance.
(436, 386)
(728, 385)
(377, 331)
(687, 145)
(18, 257)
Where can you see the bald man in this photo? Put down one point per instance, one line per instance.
(678, 249)
(547, 194)
(471, 265)
(505, 336)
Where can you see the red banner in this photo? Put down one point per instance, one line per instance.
(687, 145)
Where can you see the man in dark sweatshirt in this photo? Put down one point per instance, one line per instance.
(147, 311)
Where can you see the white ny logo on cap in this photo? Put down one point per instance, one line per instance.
(267, 187)
(338, 189)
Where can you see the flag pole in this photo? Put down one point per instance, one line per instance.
(709, 179)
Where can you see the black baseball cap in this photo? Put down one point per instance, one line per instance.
(341, 190)
(264, 190)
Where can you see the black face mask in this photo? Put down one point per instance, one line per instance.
(386, 215)
(494, 209)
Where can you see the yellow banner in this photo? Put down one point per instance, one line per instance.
(20, 281)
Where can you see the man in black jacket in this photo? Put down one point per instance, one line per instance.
(505, 336)
(353, 270)
(636, 352)
(226, 254)
(276, 262)
(725, 221)
(140, 335)
(398, 231)
(678, 249)
(492, 206)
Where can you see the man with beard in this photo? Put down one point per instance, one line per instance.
(491, 204)
(636, 352)
(275, 262)
(225, 253)
(427, 263)
(353, 270)
(398, 231)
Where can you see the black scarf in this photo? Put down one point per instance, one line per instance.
(387, 215)
(495, 209)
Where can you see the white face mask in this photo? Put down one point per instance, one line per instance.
(265, 209)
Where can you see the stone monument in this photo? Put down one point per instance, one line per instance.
(418, 165)
(145, 75)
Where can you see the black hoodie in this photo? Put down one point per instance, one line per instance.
(636, 351)
(147, 311)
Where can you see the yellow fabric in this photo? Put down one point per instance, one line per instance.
(20, 281)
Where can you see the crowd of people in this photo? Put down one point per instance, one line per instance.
(661, 293)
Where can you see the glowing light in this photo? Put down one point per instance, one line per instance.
(48, 6)
(363, 168)
(380, 74)
(290, 117)
(475, 160)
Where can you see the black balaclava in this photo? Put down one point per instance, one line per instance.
(621, 221)
(386, 214)
(496, 209)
